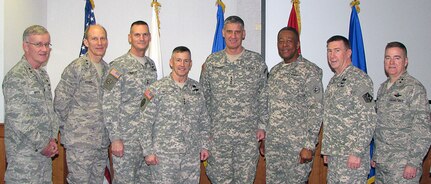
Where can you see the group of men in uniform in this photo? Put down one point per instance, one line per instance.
(159, 131)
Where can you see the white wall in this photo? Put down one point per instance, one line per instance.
(18, 15)
(382, 21)
(190, 23)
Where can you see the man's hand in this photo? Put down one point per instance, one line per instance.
(151, 159)
(204, 154)
(409, 172)
(353, 162)
(51, 149)
(373, 164)
(262, 147)
(305, 155)
(117, 148)
(260, 134)
(325, 159)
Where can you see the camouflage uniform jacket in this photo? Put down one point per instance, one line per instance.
(177, 118)
(78, 103)
(349, 117)
(30, 120)
(234, 92)
(295, 97)
(124, 86)
(403, 128)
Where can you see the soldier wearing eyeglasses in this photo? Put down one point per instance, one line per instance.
(31, 125)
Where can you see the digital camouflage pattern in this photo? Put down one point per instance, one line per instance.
(78, 103)
(402, 134)
(125, 84)
(233, 92)
(30, 123)
(295, 98)
(175, 129)
(349, 121)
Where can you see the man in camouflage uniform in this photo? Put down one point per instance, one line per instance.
(295, 95)
(402, 136)
(125, 84)
(78, 102)
(177, 117)
(233, 81)
(349, 117)
(31, 125)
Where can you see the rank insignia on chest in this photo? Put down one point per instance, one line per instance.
(194, 88)
(367, 97)
(316, 89)
(342, 82)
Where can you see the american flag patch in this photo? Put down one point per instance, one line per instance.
(148, 94)
(115, 73)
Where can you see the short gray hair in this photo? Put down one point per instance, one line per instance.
(234, 20)
(33, 30)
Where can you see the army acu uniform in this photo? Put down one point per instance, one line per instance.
(348, 125)
(295, 95)
(78, 102)
(176, 126)
(234, 97)
(30, 123)
(125, 85)
(402, 134)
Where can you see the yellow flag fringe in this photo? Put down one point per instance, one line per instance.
(298, 14)
(356, 3)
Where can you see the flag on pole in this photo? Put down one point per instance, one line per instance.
(358, 60)
(218, 43)
(355, 39)
(89, 19)
(295, 18)
(154, 51)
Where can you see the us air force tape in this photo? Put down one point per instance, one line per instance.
(111, 79)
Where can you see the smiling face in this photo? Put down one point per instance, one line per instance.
(288, 45)
(37, 49)
(181, 63)
(139, 38)
(97, 42)
(338, 56)
(233, 34)
(395, 62)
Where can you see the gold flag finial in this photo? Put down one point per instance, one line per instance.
(157, 6)
(219, 2)
(356, 3)
(92, 4)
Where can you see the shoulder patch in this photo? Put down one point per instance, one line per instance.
(115, 73)
(111, 79)
(148, 95)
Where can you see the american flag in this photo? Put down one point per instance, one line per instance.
(90, 19)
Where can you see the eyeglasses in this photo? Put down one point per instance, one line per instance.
(40, 44)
